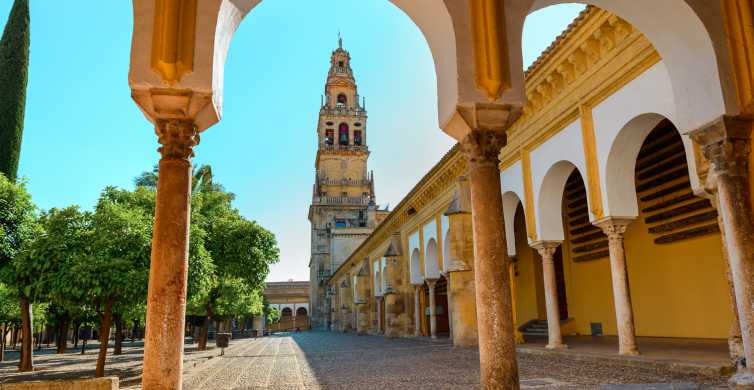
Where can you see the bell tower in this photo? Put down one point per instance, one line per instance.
(343, 209)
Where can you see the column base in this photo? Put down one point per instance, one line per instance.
(630, 352)
(556, 346)
(742, 381)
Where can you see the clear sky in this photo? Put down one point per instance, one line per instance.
(83, 132)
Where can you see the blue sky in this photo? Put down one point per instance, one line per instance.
(83, 132)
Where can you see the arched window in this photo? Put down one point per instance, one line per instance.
(301, 311)
(343, 134)
(287, 312)
(357, 137)
(342, 100)
(329, 137)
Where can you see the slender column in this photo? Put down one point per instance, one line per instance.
(497, 346)
(379, 301)
(166, 301)
(726, 144)
(432, 308)
(614, 228)
(417, 313)
(735, 345)
(547, 250)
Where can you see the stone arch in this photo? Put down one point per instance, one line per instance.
(416, 276)
(550, 201)
(216, 24)
(447, 255)
(510, 203)
(691, 44)
(286, 311)
(620, 186)
(431, 268)
(301, 311)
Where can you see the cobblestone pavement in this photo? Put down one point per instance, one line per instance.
(320, 360)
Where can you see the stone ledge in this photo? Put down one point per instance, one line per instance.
(710, 370)
(108, 383)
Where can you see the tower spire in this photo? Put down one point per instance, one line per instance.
(340, 41)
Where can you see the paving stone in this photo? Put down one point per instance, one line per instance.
(322, 360)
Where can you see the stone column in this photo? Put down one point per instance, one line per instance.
(735, 345)
(432, 308)
(726, 144)
(497, 347)
(614, 228)
(417, 311)
(378, 302)
(166, 298)
(547, 250)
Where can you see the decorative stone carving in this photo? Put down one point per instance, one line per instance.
(177, 137)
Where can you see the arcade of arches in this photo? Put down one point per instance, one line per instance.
(620, 158)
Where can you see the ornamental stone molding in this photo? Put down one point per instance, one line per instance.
(177, 137)
(613, 227)
(726, 144)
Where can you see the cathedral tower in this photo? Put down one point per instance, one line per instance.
(343, 210)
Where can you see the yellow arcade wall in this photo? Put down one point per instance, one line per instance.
(529, 284)
(677, 289)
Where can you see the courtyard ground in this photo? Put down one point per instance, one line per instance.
(320, 360)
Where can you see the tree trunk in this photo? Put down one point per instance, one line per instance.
(3, 333)
(83, 346)
(62, 335)
(39, 338)
(104, 337)
(203, 334)
(14, 337)
(27, 346)
(133, 332)
(118, 336)
(76, 327)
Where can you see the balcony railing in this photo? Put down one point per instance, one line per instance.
(348, 148)
(342, 182)
(344, 200)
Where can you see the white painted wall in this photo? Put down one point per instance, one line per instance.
(512, 187)
(551, 163)
(622, 123)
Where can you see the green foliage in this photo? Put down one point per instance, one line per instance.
(14, 76)
(273, 315)
(17, 220)
(9, 309)
(117, 267)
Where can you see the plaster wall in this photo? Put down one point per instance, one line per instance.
(547, 184)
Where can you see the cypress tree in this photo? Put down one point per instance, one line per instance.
(14, 75)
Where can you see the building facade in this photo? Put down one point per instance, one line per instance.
(291, 298)
(599, 188)
(605, 96)
(343, 210)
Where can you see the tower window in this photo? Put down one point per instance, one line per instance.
(357, 137)
(340, 64)
(329, 134)
(342, 100)
(343, 134)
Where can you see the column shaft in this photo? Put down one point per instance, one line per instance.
(417, 311)
(624, 313)
(166, 301)
(547, 250)
(497, 347)
(432, 310)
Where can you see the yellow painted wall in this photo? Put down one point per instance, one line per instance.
(677, 289)
(527, 286)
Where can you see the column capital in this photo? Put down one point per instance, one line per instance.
(726, 144)
(546, 248)
(177, 137)
(613, 227)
